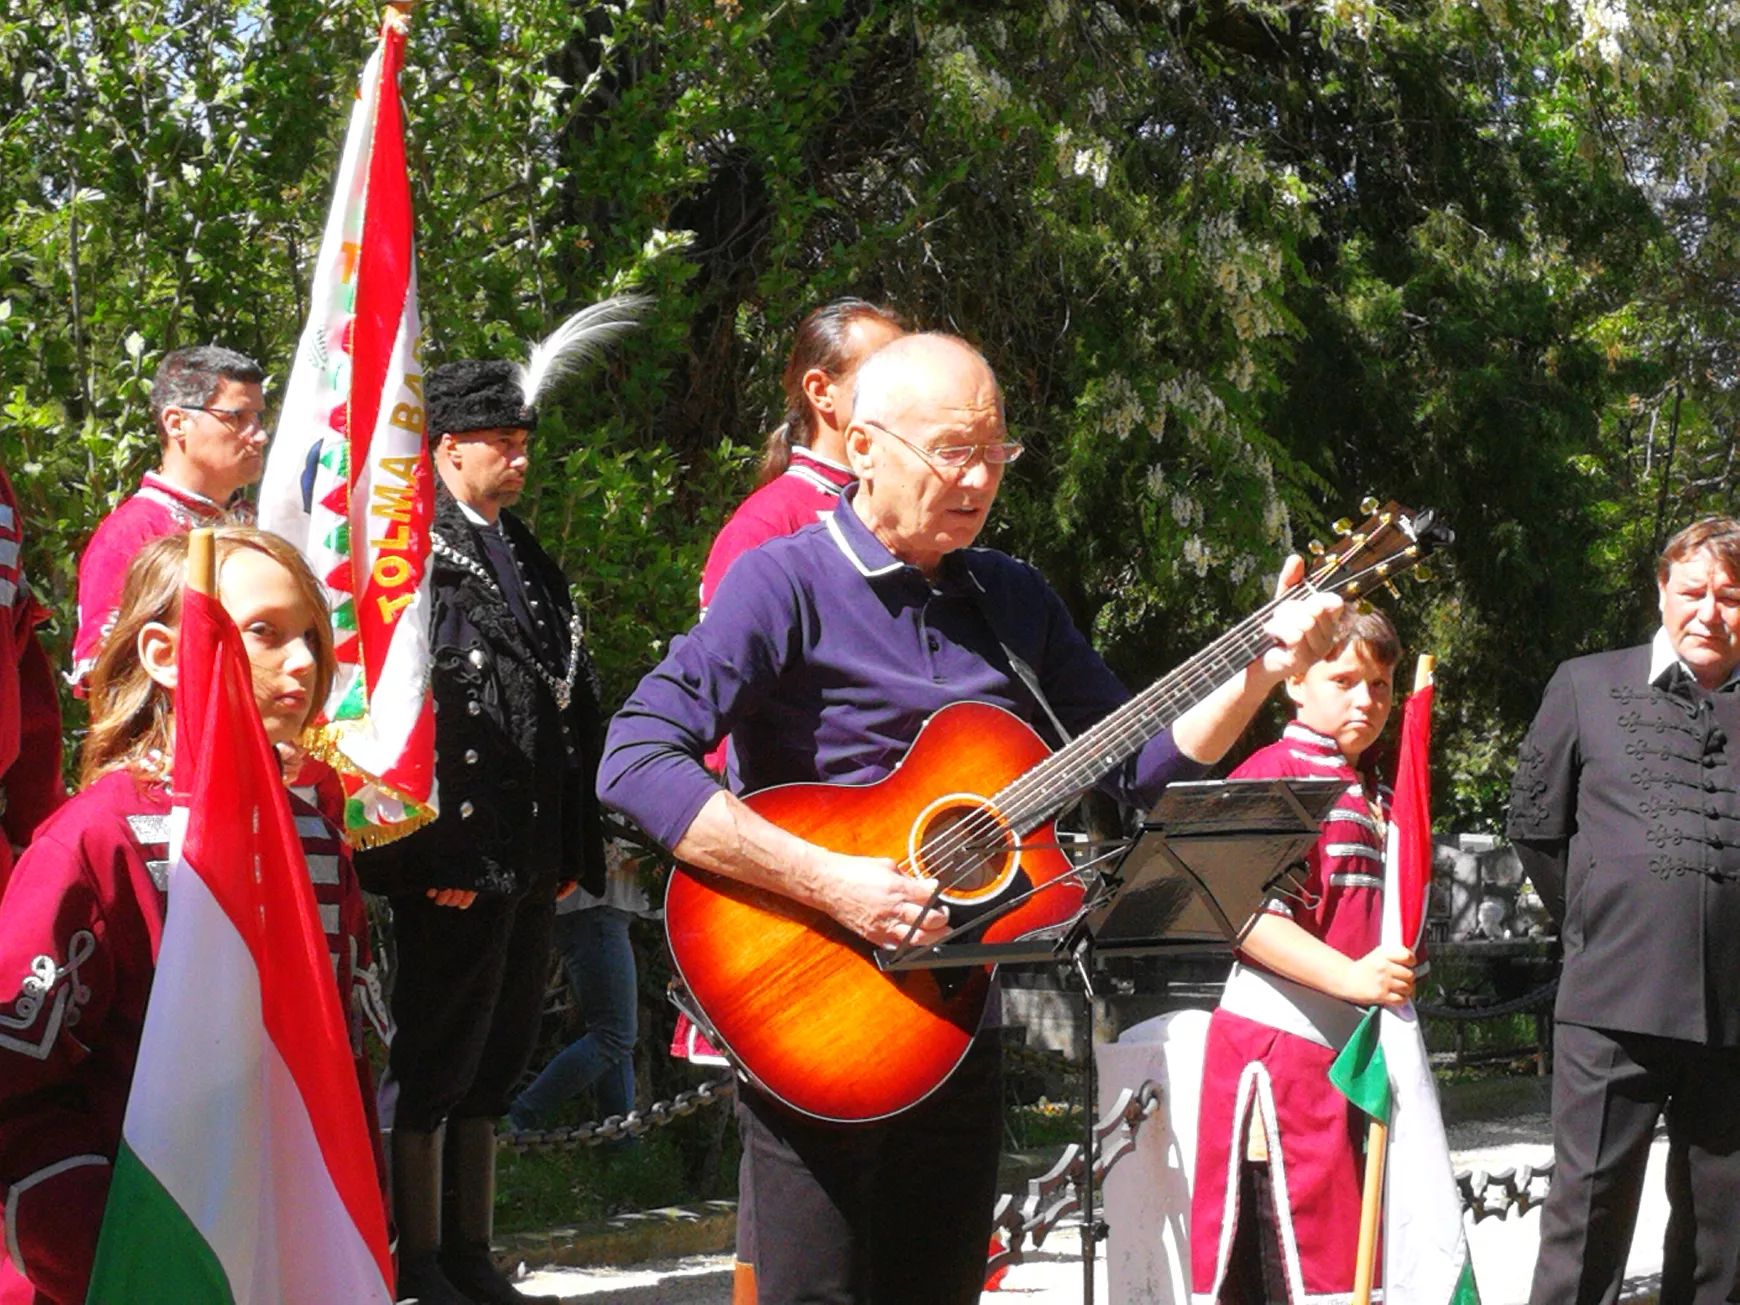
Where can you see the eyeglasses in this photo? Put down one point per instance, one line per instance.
(240, 418)
(956, 457)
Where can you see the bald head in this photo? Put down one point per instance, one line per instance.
(920, 402)
(930, 373)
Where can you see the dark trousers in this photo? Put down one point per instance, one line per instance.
(467, 1001)
(1609, 1089)
(896, 1213)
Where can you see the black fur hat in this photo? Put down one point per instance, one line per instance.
(477, 394)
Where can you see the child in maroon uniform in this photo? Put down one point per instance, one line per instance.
(1275, 1208)
(83, 914)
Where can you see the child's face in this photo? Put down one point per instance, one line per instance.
(1347, 698)
(277, 624)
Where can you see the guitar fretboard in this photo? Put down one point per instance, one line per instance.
(1047, 788)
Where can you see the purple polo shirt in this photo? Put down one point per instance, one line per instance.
(821, 656)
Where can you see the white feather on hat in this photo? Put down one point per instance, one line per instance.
(577, 340)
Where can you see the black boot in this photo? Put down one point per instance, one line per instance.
(417, 1211)
(465, 1257)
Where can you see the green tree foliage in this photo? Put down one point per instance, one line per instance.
(1237, 265)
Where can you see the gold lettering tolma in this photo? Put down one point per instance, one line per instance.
(392, 501)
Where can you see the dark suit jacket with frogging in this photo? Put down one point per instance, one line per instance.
(1633, 789)
(516, 774)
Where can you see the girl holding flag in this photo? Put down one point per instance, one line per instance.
(83, 914)
(1275, 1209)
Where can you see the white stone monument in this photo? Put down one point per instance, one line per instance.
(1147, 1194)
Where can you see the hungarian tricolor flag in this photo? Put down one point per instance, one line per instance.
(245, 1171)
(1384, 1069)
(348, 479)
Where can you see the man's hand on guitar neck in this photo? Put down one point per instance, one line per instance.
(868, 895)
(1303, 629)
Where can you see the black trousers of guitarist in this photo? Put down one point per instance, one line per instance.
(896, 1213)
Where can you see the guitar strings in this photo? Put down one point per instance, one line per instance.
(1010, 803)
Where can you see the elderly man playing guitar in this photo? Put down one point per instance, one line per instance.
(873, 1116)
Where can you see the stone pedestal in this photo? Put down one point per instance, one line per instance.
(1147, 1195)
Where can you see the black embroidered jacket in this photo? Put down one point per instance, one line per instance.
(515, 766)
(1635, 790)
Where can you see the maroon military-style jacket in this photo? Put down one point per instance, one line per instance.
(30, 783)
(80, 926)
(1254, 1069)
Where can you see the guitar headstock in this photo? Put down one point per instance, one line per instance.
(1390, 541)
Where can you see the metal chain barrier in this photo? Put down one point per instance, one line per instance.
(1496, 1195)
(1531, 1000)
(1056, 1193)
(633, 1124)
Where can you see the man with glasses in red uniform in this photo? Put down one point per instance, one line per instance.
(210, 414)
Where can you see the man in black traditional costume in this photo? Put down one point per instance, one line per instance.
(518, 732)
(1626, 811)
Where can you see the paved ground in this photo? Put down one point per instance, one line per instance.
(1503, 1249)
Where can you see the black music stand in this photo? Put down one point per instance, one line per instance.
(1192, 880)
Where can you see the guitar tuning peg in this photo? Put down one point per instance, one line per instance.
(1315, 548)
(1343, 527)
(1368, 505)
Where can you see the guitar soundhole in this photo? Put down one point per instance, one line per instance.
(966, 846)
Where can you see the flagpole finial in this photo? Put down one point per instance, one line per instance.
(1423, 671)
(201, 565)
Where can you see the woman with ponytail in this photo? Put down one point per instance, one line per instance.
(803, 465)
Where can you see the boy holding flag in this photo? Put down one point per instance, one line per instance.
(1276, 1203)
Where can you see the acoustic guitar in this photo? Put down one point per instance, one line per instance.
(799, 1001)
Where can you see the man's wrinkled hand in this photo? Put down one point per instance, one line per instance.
(874, 900)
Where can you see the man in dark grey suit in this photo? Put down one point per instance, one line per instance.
(1626, 812)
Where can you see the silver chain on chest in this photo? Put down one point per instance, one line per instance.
(562, 690)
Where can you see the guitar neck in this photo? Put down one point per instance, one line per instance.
(1047, 788)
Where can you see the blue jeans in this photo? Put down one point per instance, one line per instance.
(595, 951)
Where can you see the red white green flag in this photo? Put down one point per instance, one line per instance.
(348, 479)
(1385, 1071)
(245, 1172)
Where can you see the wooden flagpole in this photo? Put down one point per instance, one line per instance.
(201, 564)
(1377, 1138)
(1371, 1205)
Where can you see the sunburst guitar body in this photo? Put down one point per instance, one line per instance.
(800, 1001)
